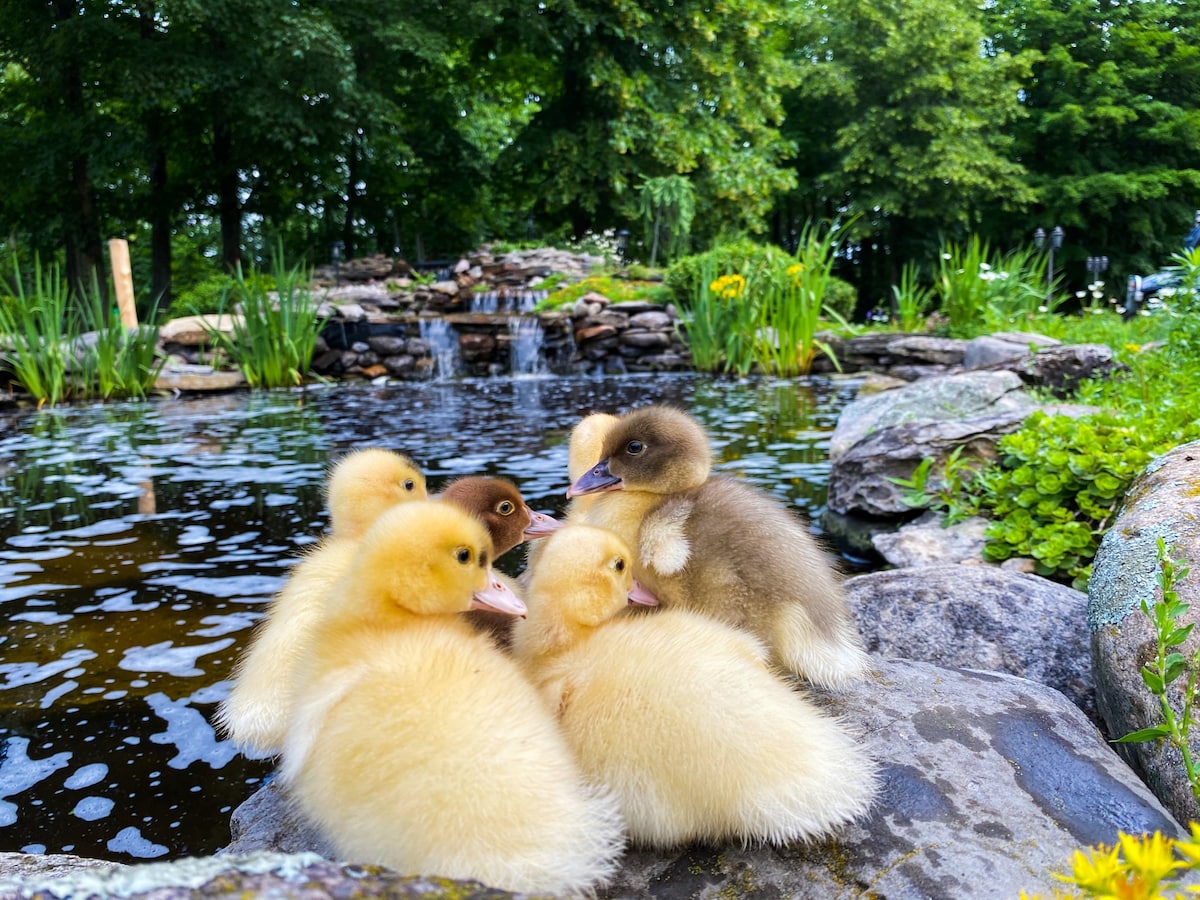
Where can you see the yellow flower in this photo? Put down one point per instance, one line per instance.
(796, 269)
(1096, 871)
(1150, 857)
(1190, 848)
(728, 287)
(1134, 348)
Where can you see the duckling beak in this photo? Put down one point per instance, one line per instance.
(639, 596)
(540, 525)
(498, 598)
(595, 480)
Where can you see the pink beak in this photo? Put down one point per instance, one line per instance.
(497, 597)
(639, 596)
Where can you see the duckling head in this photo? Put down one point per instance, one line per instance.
(366, 482)
(657, 449)
(587, 442)
(427, 558)
(499, 505)
(586, 575)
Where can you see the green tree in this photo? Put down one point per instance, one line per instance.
(918, 116)
(650, 88)
(1112, 135)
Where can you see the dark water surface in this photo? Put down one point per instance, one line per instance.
(140, 542)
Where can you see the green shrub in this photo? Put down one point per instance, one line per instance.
(274, 337)
(211, 294)
(841, 298)
(744, 257)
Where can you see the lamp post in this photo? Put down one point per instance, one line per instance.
(335, 252)
(1096, 265)
(1056, 241)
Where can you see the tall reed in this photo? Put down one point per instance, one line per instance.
(37, 333)
(273, 337)
(118, 361)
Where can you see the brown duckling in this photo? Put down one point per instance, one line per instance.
(720, 546)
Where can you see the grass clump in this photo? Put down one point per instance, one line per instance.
(274, 333)
(617, 290)
(62, 347)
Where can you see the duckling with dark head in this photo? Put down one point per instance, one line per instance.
(720, 546)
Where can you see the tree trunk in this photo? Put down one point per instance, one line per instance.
(229, 209)
(81, 239)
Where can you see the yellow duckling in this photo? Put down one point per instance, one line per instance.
(360, 487)
(420, 746)
(679, 714)
(718, 545)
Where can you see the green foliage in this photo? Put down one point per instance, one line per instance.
(273, 336)
(38, 332)
(63, 349)
(979, 290)
(667, 206)
(211, 294)
(1169, 664)
(118, 362)
(1056, 489)
(618, 290)
(840, 299)
(748, 258)
(760, 317)
(956, 494)
(911, 300)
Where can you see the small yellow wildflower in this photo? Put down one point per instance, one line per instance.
(1150, 857)
(1134, 348)
(1097, 870)
(1190, 849)
(796, 269)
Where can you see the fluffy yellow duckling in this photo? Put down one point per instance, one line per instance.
(419, 745)
(679, 714)
(360, 487)
(720, 546)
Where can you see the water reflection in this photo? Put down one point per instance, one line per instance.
(139, 543)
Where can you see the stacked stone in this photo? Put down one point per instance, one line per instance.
(628, 337)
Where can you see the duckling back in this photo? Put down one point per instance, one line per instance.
(720, 546)
(360, 487)
(418, 745)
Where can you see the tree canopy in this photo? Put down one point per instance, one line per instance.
(220, 128)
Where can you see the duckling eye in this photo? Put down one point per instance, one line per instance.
(619, 565)
(409, 484)
(463, 555)
(633, 448)
(505, 507)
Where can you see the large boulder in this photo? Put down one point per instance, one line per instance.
(979, 617)
(1164, 502)
(989, 784)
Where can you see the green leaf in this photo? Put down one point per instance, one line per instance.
(1143, 735)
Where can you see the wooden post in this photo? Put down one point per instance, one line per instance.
(118, 251)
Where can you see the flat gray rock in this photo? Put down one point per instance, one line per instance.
(979, 617)
(990, 783)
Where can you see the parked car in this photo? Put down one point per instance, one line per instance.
(1143, 290)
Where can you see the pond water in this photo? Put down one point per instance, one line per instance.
(140, 542)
